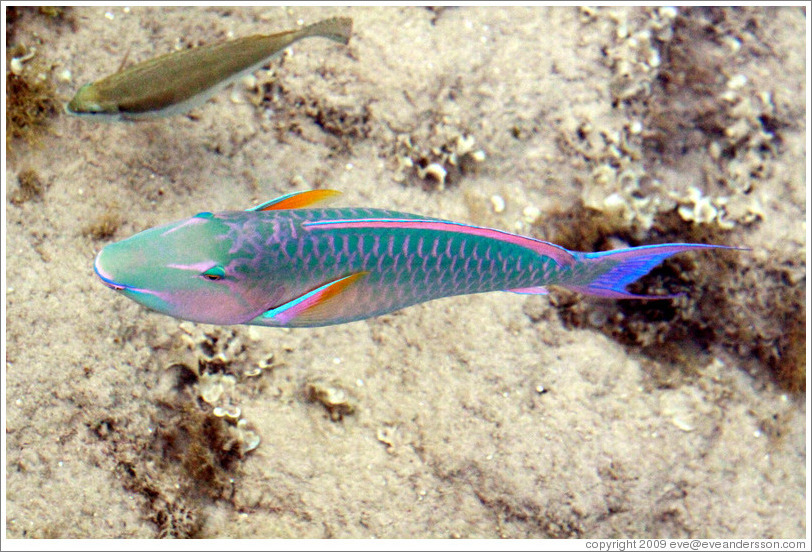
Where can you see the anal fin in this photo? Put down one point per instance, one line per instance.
(538, 290)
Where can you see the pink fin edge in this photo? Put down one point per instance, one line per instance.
(538, 290)
(559, 254)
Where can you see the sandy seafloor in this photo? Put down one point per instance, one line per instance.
(450, 434)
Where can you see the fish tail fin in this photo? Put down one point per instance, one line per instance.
(338, 29)
(624, 266)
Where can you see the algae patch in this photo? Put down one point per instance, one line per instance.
(755, 307)
(190, 453)
(31, 100)
(342, 123)
(104, 226)
(30, 187)
(30, 105)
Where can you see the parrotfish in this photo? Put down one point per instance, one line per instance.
(288, 263)
(174, 83)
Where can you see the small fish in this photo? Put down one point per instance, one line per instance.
(285, 263)
(175, 83)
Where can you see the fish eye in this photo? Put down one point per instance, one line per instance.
(215, 273)
(85, 109)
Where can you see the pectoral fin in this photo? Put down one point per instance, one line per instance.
(296, 200)
(316, 307)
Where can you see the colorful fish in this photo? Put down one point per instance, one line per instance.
(175, 83)
(283, 263)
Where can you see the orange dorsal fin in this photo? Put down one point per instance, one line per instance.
(296, 200)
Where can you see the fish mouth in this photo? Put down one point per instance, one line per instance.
(107, 281)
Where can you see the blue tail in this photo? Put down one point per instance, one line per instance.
(624, 266)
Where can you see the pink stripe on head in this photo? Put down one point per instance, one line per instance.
(194, 267)
(189, 222)
(556, 252)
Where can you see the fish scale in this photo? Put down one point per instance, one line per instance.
(406, 269)
(283, 263)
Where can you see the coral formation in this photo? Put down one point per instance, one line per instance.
(682, 98)
(335, 399)
(675, 80)
(439, 160)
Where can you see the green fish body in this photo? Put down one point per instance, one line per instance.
(175, 83)
(279, 264)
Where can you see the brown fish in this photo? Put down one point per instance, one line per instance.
(174, 83)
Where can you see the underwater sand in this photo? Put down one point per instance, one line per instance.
(474, 417)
